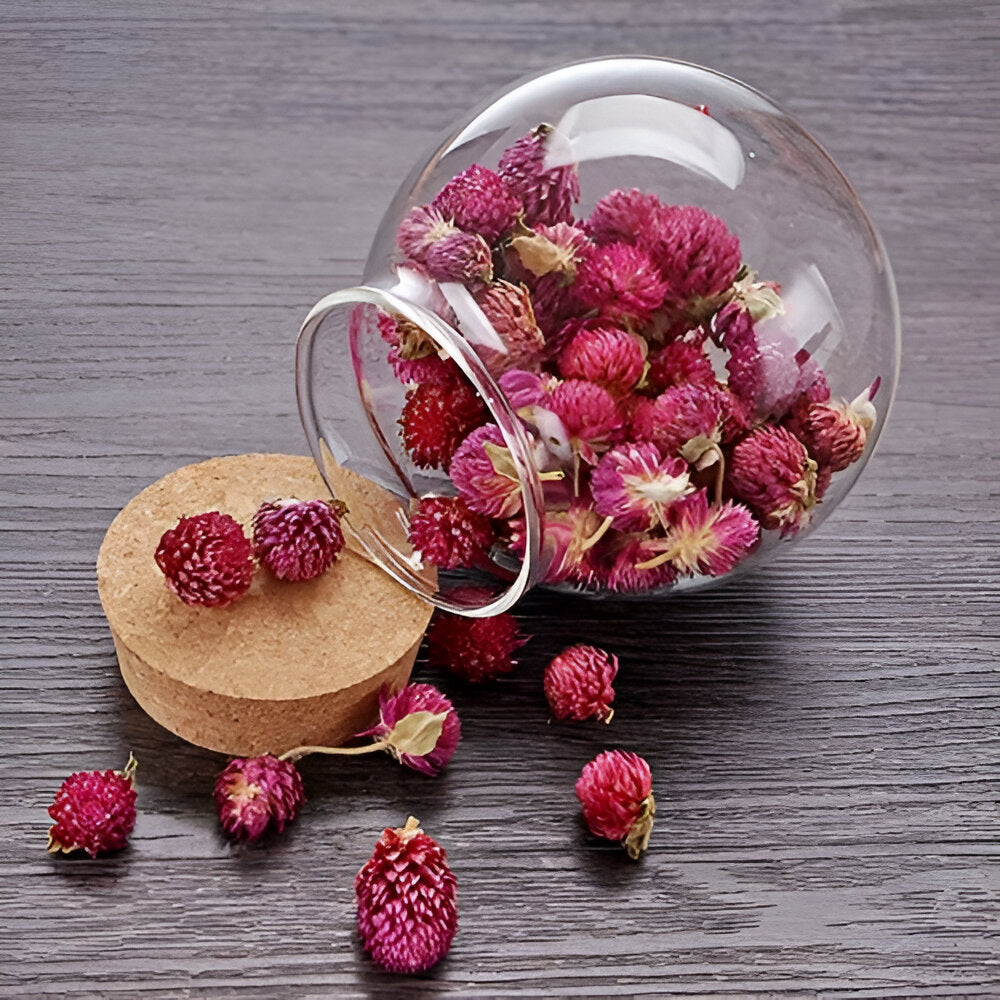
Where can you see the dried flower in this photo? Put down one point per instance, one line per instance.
(94, 811)
(407, 916)
(483, 471)
(625, 565)
(679, 414)
(616, 793)
(833, 437)
(437, 418)
(635, 485)
(508, 309)
(771, 472)
(568, 541)
(449, 535)
(621, 282)
(460, 257)
(547, 193)
(421, 228)
(623, 216)
(706, 538)
(589, 414)
(523, 388)
(546, 250)
(475, 649)
(608, 355)
(254, 794)
(695, 252)
(678, 362)
(578, 683)
(418, 725)
(478, 201)
(298, 539)
(206, 560)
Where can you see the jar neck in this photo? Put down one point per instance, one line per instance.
(325, 445)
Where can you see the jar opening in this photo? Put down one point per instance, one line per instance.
(391, 470)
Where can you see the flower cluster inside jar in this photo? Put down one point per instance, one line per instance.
(670, 422)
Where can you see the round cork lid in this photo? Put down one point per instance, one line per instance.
(285, 665)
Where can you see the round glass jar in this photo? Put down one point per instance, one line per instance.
(626, 330)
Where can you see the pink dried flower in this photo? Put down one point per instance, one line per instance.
(431, 370)
(679, 414)
(255, 794)
(548, 193)
(616, 793)
(523, 388)
(736, 416)
(483, 473)
(607, 355)
(568, 542)
(508, 309)
(578, 683)
(589, 414)
(623, 216)
(298, 539)
(621, 282)
(94, 811)
(206, 560)
(449, 535)
(461, 256)
(430, 739)
(436, 419)
(421, 228)
(680, 361)
(635, 485)
(707, 538)
(478, 201)
(695, 252)
(771, 472)
(476, 649)
(834, 439)
(620, 565)
(407, 917)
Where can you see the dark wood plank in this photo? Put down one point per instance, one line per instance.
(179, 183)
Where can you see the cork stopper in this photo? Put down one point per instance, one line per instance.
(289, 663)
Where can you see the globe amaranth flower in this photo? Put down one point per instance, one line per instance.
(705, 538)
(478, 201)
(449, 535)
(623, 216)
(578, 683)
(405, 894)
(547, 192)
(436, 419)
(589, 414)
(546, 251)
(679, 414)
(475, 649)
(621, 282)
(418, 725)
(628, 564)
(616, 795)
(569, 541)
(635, 485)
(607, 355)
(484, 473)
(772, 473)
(680, 361)
(464, 257)
(696, 253)
(255, 794)
(298, 539)
(93, 811)
(508, 310)
(421, 228)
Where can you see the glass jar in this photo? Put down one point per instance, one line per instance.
(626, 330)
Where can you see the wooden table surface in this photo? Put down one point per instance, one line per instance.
(179, 182)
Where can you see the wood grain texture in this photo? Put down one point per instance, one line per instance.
(179, 183)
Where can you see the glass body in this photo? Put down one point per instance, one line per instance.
(664, 299)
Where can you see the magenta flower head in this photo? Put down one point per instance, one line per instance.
(635, 486)
(298, 539)
(623, 216)
(422, 227)
(695, 252)
(483, 472)
(508, 310)
(254, 794)
(475, 649)
(621, 282)
(93, 811)
(589, 414)
(706, 538)
(478, 201)
(419, 726)
(616, 794)
(773, 474)
(679, 414)
(578, 683)
(680, 361)
(460, 256)
(547, 193)
(449, 535)
(625, 565)
(407, 915)
(607, 355)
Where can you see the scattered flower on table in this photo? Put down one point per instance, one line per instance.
(616, 794)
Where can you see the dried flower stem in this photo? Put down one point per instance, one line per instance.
(299, 752)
